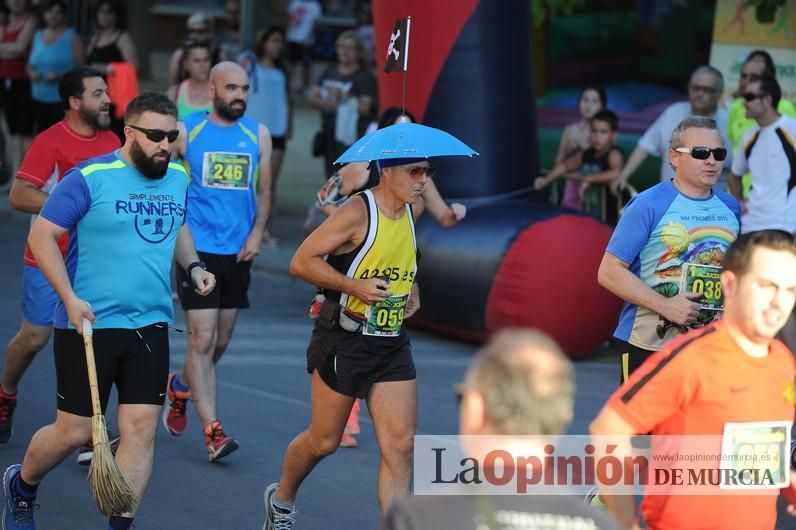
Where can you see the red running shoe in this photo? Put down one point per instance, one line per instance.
(218, 443)
(174, 418)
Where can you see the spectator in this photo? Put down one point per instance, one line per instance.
(346, 97)
(704, 89)
(301, 35)
(269, 98)
(576, 138)
(228, 41)
(599, 164)
(199, 27)
(56, 50)
(192, 94)
(365, 30)
(767, 152)
(521, 384)
(758, 64)
(111, 43)
(16, 36)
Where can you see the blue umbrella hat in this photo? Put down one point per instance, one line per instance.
(405, 140)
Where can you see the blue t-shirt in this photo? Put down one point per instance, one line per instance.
(222, 201)
(122, 231)
(55, 58)
(660, 231)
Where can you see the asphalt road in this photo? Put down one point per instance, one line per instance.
(263, 402)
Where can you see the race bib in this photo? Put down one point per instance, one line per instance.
(227, 171)
(703, 279)
(758, 452)
(385, 318)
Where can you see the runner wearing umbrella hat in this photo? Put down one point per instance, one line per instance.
(359, 347)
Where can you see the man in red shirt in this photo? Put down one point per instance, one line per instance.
(728, 379)
(82, 134)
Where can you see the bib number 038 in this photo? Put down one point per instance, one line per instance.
(705, 279)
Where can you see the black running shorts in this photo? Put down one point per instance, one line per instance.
(351, 363)
(135, 360)
(232, 284)
(630, 357)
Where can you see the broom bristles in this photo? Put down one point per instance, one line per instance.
(112, 493)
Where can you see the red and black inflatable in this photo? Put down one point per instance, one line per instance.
(512, 261)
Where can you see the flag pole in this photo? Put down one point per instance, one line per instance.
(406, 66)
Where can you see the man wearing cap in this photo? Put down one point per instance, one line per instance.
(365, 257)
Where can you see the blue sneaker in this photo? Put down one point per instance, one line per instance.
(17, 510)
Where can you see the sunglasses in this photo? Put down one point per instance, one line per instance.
(418, 171)
(751, 97)
(157, 135)
(703, 153)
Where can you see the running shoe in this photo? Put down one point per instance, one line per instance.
(86, 452)
(7, 406)
(174, 418)
(593, 499)
(218, 443)
(17, 509)
(276, 518)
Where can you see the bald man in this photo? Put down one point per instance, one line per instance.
(228, 205)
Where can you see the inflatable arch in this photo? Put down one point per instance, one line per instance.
(515, 260)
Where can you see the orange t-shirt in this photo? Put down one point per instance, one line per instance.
(695, 386)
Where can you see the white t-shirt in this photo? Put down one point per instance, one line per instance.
(769, 154)
(657, 138)
(303, 14)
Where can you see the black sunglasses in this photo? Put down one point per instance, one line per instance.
(703, 153)
(751, 97)
(157, 135)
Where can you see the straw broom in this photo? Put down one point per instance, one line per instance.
(111, 492)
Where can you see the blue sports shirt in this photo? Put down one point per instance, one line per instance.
(661, 231)
(122, 231)
(223, 185)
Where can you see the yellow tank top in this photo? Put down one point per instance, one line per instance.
(389, 251)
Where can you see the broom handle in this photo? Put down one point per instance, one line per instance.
(88, 334)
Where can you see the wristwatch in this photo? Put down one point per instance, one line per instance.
(192, 266)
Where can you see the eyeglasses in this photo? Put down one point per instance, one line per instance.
(198, 30)
(703, 153)
(751, 97)
(157, 135)
(703, 88)
(418, 171)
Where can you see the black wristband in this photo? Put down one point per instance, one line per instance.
(192, 266)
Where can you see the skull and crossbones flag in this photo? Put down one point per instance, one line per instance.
(398, 49)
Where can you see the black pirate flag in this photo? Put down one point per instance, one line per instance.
(398, 49)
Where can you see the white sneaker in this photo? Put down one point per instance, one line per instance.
(275, 518)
